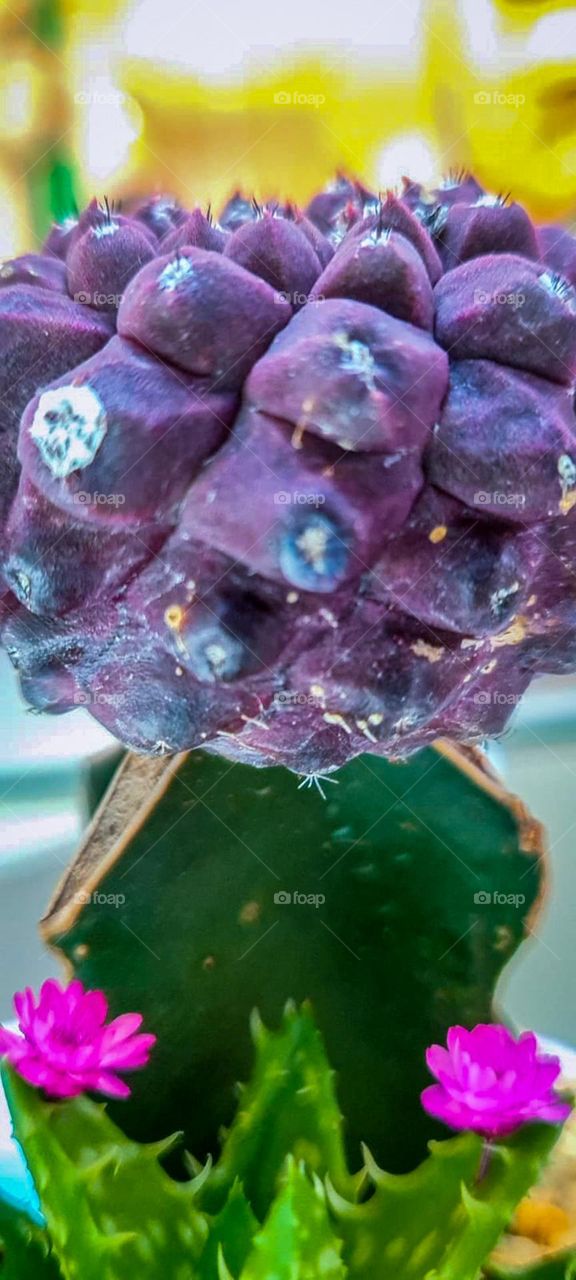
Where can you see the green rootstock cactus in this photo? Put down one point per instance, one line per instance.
(206, 890)
(360, 926)
(111, 1211)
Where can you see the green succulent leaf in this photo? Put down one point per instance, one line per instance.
(230, 1238)
(297, 1241)
(25, 1252)
(110, 1208)
(438, 1222)
(392, 906)
(289, 1107)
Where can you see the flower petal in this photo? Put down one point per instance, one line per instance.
(121, 1028)
(65, 1046)
(90, 1013)
(491, 1082)
(24, 1005)
(111, 1085)
(133, 1053)
(12, 1045)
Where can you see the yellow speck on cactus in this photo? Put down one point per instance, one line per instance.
(438, 533)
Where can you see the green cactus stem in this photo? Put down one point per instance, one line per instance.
(409, 888)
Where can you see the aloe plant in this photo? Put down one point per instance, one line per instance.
(111, 1210)
(25, 1249)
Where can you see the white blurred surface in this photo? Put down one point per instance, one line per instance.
(42, 816)
(218, 40)
(539, 988)
(29, 741)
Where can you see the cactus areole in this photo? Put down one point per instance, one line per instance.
(291, 486)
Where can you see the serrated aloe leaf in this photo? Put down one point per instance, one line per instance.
(438, 1222)
(422, 875)
(489, 1208)
(110, 1208)
(230, 1238)
(297, 1241)
(24, 1247)
(289, 1107)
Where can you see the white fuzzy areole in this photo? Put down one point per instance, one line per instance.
(174, 272)
(357, 358)
(68, 428)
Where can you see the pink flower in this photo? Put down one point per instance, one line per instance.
(65, 1047)
(492, 1083)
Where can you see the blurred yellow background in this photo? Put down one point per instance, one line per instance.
(197, 97)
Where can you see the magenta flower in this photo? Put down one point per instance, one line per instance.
(492, 1083)
(65, 1046)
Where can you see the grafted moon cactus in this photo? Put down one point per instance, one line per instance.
(291, 486)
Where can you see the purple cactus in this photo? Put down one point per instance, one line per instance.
(384, 269)
(489, 226)
(196, 230)
(354, 375)
(291, 486)
(103, 260)
(204, 313)
(277, 250)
